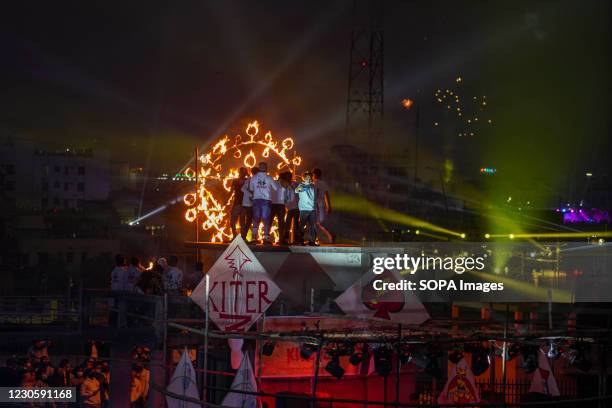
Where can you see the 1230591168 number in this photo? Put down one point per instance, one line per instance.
(20, 394)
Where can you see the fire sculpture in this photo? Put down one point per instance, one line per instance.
(209, 204)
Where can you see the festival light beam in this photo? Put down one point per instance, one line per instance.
(360, 205)
(155, 211)
(558, 295)
(306, 41)
(593, 234)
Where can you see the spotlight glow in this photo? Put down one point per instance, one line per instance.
(531, 235)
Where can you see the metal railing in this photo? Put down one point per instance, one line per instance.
(294, 400)
(36, 311)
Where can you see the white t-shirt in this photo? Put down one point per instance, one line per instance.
(246, 197)
(262, 186)
(173, 279)
(278, 197)
(118, 278)
(291, 201)
(133, 273)
(321, 190)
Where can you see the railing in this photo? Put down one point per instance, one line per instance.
(32, 312)
(511, 392)
(128, 310)
(93, 308)
(294, 400)
(515, 389)
(125, 309)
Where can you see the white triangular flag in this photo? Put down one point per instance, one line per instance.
(460, 388)
(543, 380)
(94, 350)
(235, 346)
(244, 381)
(371, 365)
(183, 382)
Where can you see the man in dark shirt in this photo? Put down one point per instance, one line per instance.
(237, 184)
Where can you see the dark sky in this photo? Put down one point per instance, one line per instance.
(158, 77)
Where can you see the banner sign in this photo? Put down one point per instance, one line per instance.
(240, 289)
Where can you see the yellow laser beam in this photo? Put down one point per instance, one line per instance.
(430, 235)
(558, 295)
(360, 205)
(596, 234)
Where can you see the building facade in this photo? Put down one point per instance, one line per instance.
(37, 179)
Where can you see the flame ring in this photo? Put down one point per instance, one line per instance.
(215, 211)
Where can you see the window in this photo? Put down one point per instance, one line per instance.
(43, 258)
(56, 184)
(81, 170)
(9, 186)
(65, 186)
(69, 257)
(45, 185)
(44, 202)
(398, 188)
(396, 171)
(56, 201)
(10, 169)
(66, 203)
(56, 169)
(66, 170)
(80, 186)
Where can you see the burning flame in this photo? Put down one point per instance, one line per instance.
(210, 203)
(407, 103)
(250, 160)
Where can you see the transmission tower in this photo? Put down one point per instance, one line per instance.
(365, 102)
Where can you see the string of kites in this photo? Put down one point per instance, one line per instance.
(468, 115)
(427, 356)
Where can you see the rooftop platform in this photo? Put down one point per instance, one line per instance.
(323, 248)
(326, 267)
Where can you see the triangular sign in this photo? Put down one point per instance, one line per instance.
(543, 380)
(240, 290)
(244, 381)
(460, 387)
(183, 382)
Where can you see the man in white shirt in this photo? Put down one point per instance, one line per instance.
(278, 209)
(238, 192)
(119, 274)
(262, 186)
(246, 213)
(173, 278)
(323, 204)
(133, 273)
(292, 219)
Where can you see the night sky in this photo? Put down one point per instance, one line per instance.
(158, 77)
